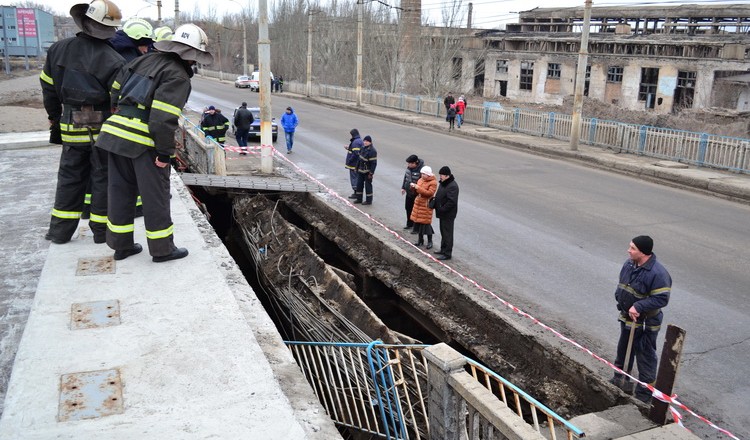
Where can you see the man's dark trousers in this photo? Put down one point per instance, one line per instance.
(77, 165)
(364, 184)
(409, 205)
(446, 236)
(644, 351)
(125, 177)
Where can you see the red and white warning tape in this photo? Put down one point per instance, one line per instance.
(671, 400)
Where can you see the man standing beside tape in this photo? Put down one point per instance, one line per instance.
(643, 290)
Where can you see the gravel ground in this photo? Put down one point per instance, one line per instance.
(21, 106)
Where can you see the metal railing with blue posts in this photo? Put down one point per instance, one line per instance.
(699, 149)
(380, 389)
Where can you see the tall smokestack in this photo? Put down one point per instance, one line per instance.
(468, 20)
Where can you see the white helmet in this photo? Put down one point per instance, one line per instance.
(138, 29)
(189, 42)
(98, 19)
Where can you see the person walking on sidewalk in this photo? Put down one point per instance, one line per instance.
(412, 175)
(643, 290)
(421, 215)
(140, 138)
(446, 208)
(460, 110)
(368, 161)
(451, 117)
(243, 119)
(352, 157)
(449, 101)
(76, 81)
(289, 122)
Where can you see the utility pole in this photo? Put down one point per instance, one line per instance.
(158, 12)
(244, 43)
(583, 59)
(218, 52)
(360, 7)
(264, 60)
(25, 38)
(308, 86)
(176, 13)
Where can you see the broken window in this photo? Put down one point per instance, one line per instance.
(554, 70)
(614, 74)
(649, 83)
(685, 91)
(457, 63)
(527, 75)
(587, 81)
(502, 66)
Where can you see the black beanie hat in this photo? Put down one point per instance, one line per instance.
(412, 159)
(367, 138)
(644, 243)
(445, 171)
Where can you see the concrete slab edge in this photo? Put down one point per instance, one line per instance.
(307, 409)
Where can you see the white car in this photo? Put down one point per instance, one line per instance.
(242, 81)
(255, 81)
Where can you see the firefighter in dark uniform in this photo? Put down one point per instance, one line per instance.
(368, 160)
(149, 95)
(75, 87)
(215, 124)
(132, 41)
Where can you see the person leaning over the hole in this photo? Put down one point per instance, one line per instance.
(141, 143)
(421, 215)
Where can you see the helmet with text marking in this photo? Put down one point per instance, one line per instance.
(98, 18)
(189, 42)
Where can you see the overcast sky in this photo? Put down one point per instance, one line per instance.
(487, 13)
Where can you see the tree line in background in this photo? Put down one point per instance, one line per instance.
(426, 67)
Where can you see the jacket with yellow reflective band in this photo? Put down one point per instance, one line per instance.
(647, 288)
(79, 71)
(149, 95)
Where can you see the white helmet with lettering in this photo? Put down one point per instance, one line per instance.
(98, 18)
(189, 42)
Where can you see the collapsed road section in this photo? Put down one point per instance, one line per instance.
(324, 276)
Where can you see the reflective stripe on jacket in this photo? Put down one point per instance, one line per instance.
(158, 83)
(78, 71)
(647, 288)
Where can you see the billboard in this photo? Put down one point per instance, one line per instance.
(26, 22)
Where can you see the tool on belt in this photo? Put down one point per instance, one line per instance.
(89, 119)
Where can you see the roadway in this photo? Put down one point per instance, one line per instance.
(550, 236)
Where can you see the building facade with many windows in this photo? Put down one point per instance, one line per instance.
(661, 59)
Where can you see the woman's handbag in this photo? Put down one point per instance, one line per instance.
(431, 203)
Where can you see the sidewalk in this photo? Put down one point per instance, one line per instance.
(723, 184)
(191, 353)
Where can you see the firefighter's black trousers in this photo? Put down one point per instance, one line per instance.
(126, 177)
(77, 166)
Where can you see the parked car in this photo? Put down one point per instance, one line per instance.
(255, 128)
(255, 81)
(242, 81)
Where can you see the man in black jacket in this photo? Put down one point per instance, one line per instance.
(446, 208)
(76, 81)
(243, 119)
(368, 161)
(412, 175)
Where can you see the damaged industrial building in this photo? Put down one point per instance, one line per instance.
(656, 58)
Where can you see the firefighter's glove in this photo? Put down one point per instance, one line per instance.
(55, 134)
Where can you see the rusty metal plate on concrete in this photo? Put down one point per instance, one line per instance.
(90, 395)
(94, 314)
(95, 266)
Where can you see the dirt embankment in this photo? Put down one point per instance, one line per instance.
(21, 107)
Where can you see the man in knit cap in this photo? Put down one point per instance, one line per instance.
(643, 290)
(446, 209)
